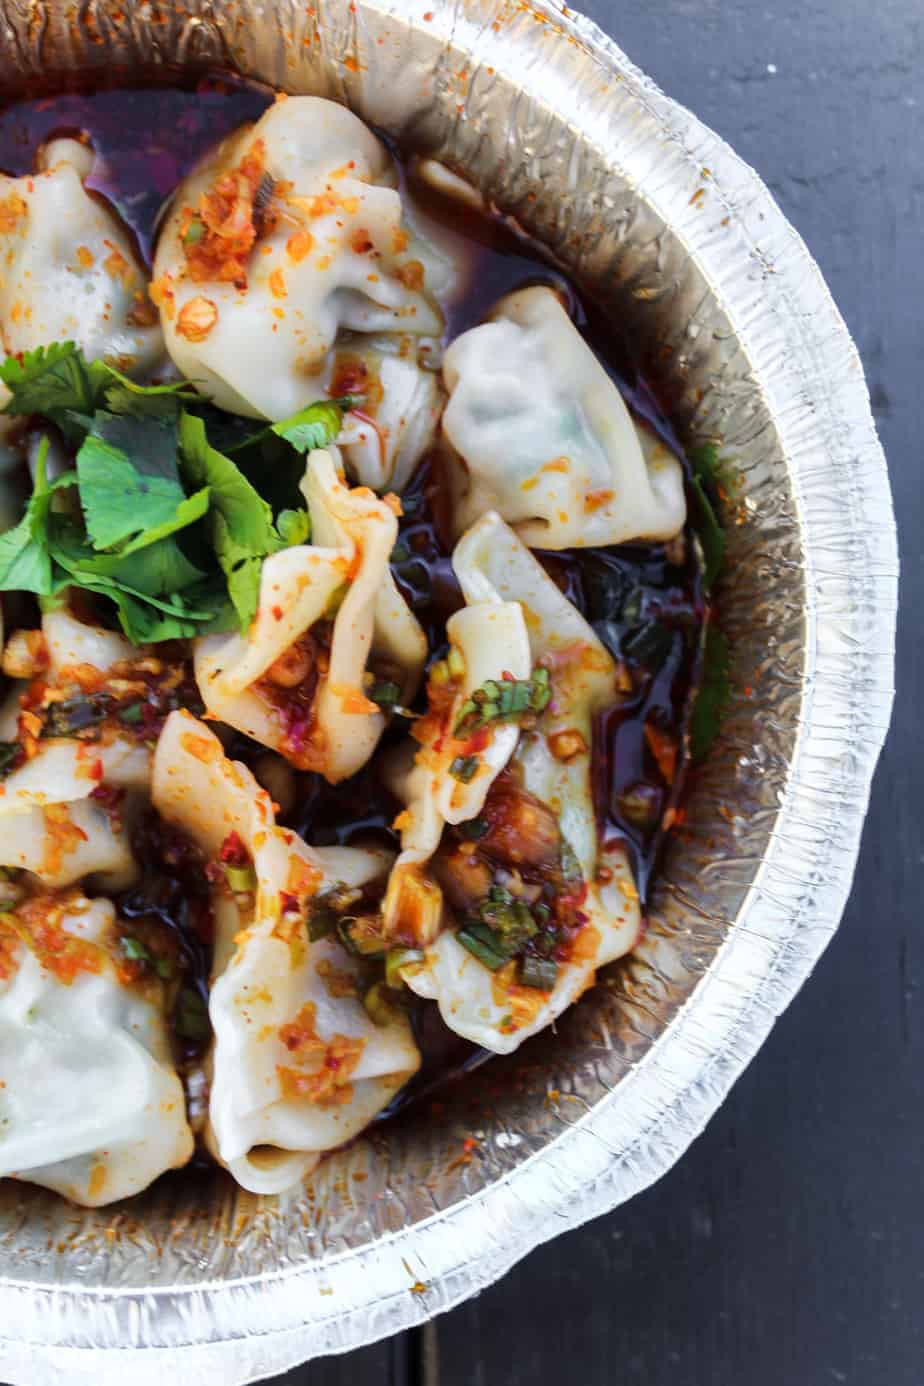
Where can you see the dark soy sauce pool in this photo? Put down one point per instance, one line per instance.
(644, 601)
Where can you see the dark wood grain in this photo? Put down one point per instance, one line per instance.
(787, 1247)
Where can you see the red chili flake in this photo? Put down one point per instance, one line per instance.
(508, 676)
(233, 851)
(96, 770)
(277, 613)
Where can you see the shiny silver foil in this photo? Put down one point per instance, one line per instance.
(665, 225)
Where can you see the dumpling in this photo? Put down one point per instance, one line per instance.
(443, 778)
(298, 1065)
(535, 844)
(284, 238)
(68, 270)
(66, 806)
(329, 613)
(539, 432)
(383, 440)
(90, 1104)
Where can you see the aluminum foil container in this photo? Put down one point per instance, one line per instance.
(684, 245)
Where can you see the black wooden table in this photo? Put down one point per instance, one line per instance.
(787, 1247)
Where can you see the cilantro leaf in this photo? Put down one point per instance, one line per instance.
(705, 463)
(124, 396)
(713, 694)
(128, 478)
(294, 527)
(710, 533)
(55, 381)
(160, 567)
(25, 562)
(242, 522)
(187, 513)
(58, 382)
(315, 426)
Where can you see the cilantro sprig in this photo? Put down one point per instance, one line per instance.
(704, 462)
(155, 519)
(713, 694)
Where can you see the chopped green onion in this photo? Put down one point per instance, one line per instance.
(474, 829)
(379, 1007)
(132, 713)
(192, 1018)
(511, 920)
(164, 968)
(395, 960)
(241, 879)
(194, 231)
(76, 714)
(386, 694)
(504, 700)
(135, 950)
(10, 754)
(482, 944)
(362, 935)
(322, 920)
(541, 973)
(326, 909)
(464, 768)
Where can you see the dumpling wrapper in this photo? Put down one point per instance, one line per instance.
(539, 432)
(47, 823)
(492, 1009)
(383, 440)
(353, 534)
(298, 1066)
(492, 639)
(337, 259)
(90, 1104)
(70, 271)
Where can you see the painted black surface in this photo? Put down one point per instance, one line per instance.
(787, 1247)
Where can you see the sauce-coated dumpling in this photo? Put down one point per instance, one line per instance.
(90, 1104)
(285, 237)
(68, 271)
(539, 432)
(51, 822)
(298, 1065)
(329, 611)
(552, 766)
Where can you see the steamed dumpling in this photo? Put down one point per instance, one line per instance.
(487, 641)
(90, 1104)
(329, 612)
(52, 822)
(282, 239)
(549, 797)
(539, 432)
(298, 1065)
(68, 271)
